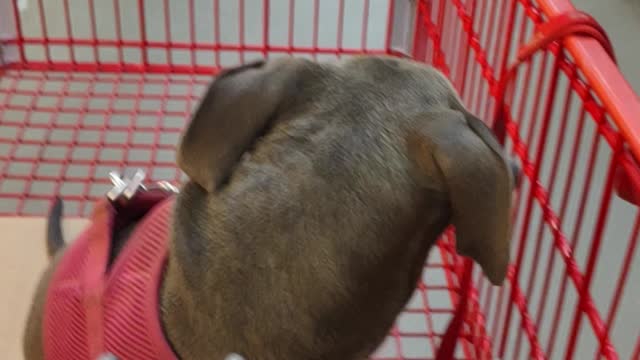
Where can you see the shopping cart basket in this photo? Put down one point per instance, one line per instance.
(89, 86)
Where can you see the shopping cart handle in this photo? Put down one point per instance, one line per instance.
(627, 176)
(557, 28)
(568, 24)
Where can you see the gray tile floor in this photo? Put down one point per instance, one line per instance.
(102, 122)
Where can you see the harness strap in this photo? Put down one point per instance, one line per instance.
(107, 218)
(94, 279)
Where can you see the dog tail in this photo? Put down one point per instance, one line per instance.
(55, 239)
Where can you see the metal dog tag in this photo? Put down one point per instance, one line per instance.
(134, 184)
(118, 186)
(125, 188)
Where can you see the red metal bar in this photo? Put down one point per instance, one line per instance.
(167, 33)
(436, 38)
(576, 237)
(241, 30)
(527, 81)
(480, 54)
(427, 313)
(447, 32)
(118, 25)
(78, 94)
(159, 115)
(435, 34)
(93, 111)
(265, 27)
(492, 33)
(604, 76)
(365, 26)
(389, 30)
(474, 44)
(292, 12)
(502, 292)
(94, 30)
(452, 266)
(487, 294)
(451, 46)
(593, 254)
(19, 133)
(67, 23)
(450, 339)
(216, 32)
(484, 35)
(497, 50)
(398, 344)
(529, 202)
(132, 126)
(553, 177)
(530, 133)
(50, 126)
(316, 20)
(192, 32)
(151, 78)
(420, 36)
(467, 24)
(185, 45)
(626, 265)
(339, 35)
(501, 48)
(44, 31)
(562, 246)
(19, 34)
(537, 163)
(92, 167)
(143, 36)
(509, 38)
(526, 323)
(562, 213)
(550, 101)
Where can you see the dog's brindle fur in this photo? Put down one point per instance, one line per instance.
(316, 191)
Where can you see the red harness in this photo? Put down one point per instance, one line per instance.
(91, 310)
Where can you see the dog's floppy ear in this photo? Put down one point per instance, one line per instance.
(236, 109)
(456, 152)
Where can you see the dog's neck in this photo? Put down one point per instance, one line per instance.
(179, 314)
(185, 299)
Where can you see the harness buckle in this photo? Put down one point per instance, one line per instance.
(125, 188)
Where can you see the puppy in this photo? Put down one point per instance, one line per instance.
(315, 193)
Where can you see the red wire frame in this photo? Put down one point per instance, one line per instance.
(531, 144)
(469, 41)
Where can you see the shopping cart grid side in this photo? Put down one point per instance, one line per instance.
(560, 86)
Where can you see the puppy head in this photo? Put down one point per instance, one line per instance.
(237, 109)
(452, 150)
(458, 152)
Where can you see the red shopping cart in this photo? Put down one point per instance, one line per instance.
(90, 86)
